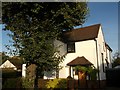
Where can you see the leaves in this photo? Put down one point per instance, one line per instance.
(89, 70)
(35, 26)
(116, 59)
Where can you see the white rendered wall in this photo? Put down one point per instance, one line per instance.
(109, 58)
(24, 70)
(102, 49)
(83, 48)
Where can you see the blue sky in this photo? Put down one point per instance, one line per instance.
(105, 13)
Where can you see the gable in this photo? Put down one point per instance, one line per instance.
(7, 64)
(81, 34)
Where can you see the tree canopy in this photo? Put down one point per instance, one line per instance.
(35, 26)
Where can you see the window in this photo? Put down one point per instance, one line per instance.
(107, 63)
(71, 47)
(102, 61)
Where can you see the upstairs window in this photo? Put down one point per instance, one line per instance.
(71, 47)
(107, 63)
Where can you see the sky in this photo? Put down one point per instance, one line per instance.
(104, 13)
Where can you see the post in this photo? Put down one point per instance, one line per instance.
(79, 80)
(70, 71)
(24, 70)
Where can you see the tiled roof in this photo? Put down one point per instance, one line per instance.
(79, 61)
(80, 34)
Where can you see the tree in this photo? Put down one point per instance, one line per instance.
(3, 56)
(35, 26)
(116, 59)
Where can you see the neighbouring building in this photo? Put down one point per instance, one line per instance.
(8, 64)
(14, 63)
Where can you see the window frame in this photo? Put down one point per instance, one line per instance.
(72, 46)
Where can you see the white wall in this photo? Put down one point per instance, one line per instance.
(102, 49)
(83, 48)
(23, 70)
(109, 58)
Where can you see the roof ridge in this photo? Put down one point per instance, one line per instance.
(82, 28)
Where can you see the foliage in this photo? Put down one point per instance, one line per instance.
(116, 59)
(27, 82)
(10, 83)
(3, 56)
(35, 26)
(88, 70)
(92, 72)
(81, 68)
(10, 73)
(56, 83)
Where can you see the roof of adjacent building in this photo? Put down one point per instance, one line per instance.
(80, 61)
(81, 34)
(15, 61)
(108, 47)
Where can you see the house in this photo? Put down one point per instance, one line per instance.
(14, 63)
(83, 46)
(8, 64)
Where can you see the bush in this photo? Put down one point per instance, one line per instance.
(91, 71)
(12, 83)
(10, 73)
(56, 83)
(27, 82)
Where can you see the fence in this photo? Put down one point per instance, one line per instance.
(113, 77)
(75, 84)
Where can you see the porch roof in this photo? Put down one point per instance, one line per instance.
(80, 61)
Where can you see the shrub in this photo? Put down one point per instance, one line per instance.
(12, 83)
(27, 82)
(56, 83)
(10, 73)
(92, 71)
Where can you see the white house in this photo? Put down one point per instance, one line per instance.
(83, 45)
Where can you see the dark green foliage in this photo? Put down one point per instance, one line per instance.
(116, 59)
(11, 83)
(35, 26)
(10, 73)
(3, 57)
(91, 71)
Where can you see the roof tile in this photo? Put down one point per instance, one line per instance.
(79, 61)
(80, 34)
